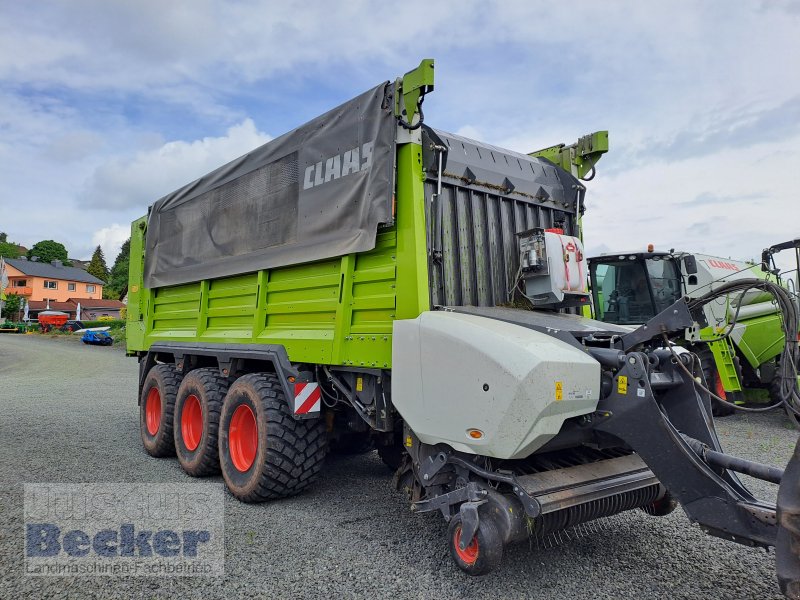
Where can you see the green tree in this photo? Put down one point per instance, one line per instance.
(97, 266)
(118, 279)
(12, 306)
(48, 251)
(9, 250)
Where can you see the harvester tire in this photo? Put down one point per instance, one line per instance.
(711, 375)
(197, 408)
(483, 554)
(775, 398)
(156, 409)
(265, 453)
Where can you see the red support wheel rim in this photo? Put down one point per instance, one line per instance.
(470, 554)
(243, 438)
(152, 411)
(192, 423)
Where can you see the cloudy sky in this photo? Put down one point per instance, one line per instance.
(106, 106)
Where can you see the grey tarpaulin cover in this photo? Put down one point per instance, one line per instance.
(317, 192)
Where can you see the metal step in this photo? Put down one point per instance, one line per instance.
(563, 488)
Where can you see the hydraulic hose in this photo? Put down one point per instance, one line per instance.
(790, 357)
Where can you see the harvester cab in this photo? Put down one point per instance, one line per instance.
(738, 338)
(630, 288)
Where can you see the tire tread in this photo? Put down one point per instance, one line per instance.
(296, 448)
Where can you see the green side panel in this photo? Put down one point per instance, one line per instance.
(137, 295)
(338, 311)
(762, 339)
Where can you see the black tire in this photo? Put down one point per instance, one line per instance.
(484, 553)
(776, 398)
(285, 456)
(710, 374)
(161, 386)
(197, 408)
(663, 507)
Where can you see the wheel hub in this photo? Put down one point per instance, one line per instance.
(243, 438)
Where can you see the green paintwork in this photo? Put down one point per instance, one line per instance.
(338, 311)
(763, 339)
(413, 84)
(137, 296)
(578, 158)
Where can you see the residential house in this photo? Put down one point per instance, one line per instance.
(91, 309)
(39, 282)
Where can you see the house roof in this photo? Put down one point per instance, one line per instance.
(41, 269)
(71, 305)
(101, 303)
(38, 305)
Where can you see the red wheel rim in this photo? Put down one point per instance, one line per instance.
(470, 554)
(243, 438)
(152, 411)
(192, 423)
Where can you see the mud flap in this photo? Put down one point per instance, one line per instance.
(469, 522)
(787, 549)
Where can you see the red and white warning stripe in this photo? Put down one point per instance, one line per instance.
(307, 398)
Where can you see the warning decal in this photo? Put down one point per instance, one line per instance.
(559, 390)
(307, 398)
(622, 385)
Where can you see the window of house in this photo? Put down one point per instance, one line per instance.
(89, 288)
(70, 287)
(20, 283)
(50, 285)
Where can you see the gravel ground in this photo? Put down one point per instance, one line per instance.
(69, 415)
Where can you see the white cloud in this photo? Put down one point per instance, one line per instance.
(110, 239)
(733, 203)
(142, 179)
(696, 102)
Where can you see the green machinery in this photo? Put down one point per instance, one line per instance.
(366, 281)
(740, 340)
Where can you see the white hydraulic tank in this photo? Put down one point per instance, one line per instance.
(485, 386)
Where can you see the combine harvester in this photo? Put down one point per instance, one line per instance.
(354, 280)
(740, 339)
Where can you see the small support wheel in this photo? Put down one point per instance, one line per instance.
(662, 507)
(483, 554)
